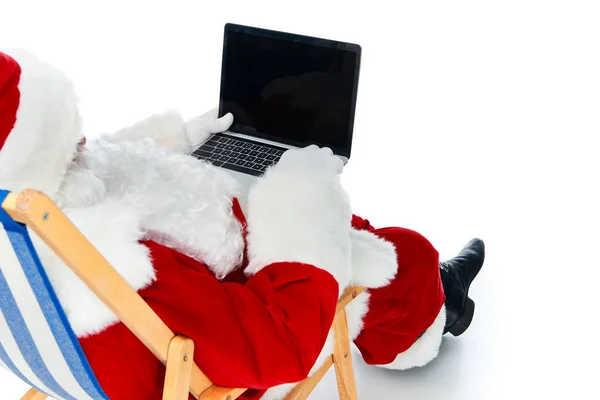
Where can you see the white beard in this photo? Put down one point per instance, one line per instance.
(118, 194)
(182, 203)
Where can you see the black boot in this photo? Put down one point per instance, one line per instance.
(457, 275)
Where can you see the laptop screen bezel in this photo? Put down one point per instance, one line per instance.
(355, 48)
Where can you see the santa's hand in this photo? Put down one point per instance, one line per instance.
(199, 129)
(311, 159)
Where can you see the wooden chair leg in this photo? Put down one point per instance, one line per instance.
(342, 359)
(34, 395)
(180, 359)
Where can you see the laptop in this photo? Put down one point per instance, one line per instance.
(285, 91)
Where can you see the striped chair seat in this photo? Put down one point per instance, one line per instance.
(36, 341)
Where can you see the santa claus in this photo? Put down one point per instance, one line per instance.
(254, 284)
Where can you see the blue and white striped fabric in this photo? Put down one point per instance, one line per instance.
(36, 341)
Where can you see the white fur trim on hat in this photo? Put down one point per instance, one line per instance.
(44, 138)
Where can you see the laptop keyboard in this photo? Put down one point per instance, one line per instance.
(238, 154)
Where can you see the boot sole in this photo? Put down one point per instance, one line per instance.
(463, 322)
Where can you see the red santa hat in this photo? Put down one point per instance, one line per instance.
(39, 123)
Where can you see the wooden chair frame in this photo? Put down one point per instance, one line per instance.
(183, 376)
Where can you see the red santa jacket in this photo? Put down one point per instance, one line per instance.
(252, 333)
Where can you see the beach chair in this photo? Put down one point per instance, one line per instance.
(38, 345)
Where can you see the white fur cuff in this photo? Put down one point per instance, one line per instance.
(374, 260)
(300, 217)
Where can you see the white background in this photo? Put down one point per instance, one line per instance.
(474, 119)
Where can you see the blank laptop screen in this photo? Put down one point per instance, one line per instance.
(290, 88)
